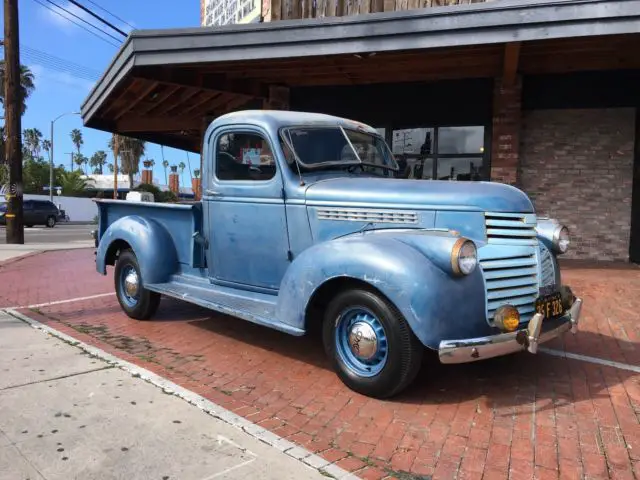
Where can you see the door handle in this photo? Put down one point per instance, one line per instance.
(213, 193)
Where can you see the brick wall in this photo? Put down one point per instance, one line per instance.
(576, 165)
(506, 132)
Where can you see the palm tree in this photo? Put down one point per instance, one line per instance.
(27, 85)
(76, 138)
(110, 167)
(80, 160)
(181, 166)
(46, 146)
(165, 165)
(32, 141)
(98, 160)
(130, 150)
(73, 184)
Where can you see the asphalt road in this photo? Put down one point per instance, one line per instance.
(61, 234)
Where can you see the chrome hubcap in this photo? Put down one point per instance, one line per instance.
(363, 341)
(131, 283)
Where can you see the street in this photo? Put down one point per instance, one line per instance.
(60, 234)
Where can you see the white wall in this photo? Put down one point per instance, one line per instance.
(78, 209)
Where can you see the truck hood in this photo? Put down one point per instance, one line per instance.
(419, 194)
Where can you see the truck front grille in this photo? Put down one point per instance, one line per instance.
(511, 228)
(510, 263)
(547, 267)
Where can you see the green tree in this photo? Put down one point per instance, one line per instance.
(80, 160)
(73, 183)
(98, 160)
(76, 138)
(27, 85)
(130, 150)
(32, 139)
(35, 175)
(165, 165)
(181, 167)
(110, 167)
(46, 146)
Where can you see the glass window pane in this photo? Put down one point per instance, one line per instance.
(460, 168)
(244, 156)
(414, 167)
(461, 140)
(413, 141)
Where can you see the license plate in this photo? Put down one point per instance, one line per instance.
(550, 306)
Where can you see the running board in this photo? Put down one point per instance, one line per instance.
(254, 307)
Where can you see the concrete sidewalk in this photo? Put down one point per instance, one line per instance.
(67, 415)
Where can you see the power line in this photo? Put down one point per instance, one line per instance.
(83, 20)
(77, 24)
(59, 63)
(95, 15)
(112, 14)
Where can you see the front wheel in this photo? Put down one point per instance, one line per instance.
(51, 222)
(370, 344)
(136, 301)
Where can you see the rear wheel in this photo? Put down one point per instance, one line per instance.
(136, 301)
(370, 344)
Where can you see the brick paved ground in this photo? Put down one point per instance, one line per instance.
(522, 416)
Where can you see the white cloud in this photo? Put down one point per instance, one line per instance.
(44, 75)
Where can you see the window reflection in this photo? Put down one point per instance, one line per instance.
(461, 140)
(460, 168)
(444, 153)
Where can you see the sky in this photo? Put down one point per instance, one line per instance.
(63, 83)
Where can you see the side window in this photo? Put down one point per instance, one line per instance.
(244, 156)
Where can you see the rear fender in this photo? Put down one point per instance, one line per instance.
(436, 304)
(150, 242)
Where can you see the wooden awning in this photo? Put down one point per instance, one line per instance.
(164, 86)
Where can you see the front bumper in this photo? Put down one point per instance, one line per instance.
(474, 349)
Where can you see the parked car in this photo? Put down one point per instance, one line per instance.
(303, 224)
(35, 212)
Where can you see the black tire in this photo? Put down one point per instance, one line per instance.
(51, 221)
(146, 302)
(404, 350)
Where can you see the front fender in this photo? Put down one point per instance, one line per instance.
(436, 304)
(150, 241)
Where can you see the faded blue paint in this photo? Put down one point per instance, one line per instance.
(272, 244)
(404, 267)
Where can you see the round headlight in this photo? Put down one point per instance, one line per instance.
(464, 257)
(561, 239)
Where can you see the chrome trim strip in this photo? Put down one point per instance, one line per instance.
(367, 215)
(474, 349)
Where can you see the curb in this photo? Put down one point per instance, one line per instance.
(11, 261)
(310, 459)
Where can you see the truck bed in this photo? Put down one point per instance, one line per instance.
(180, 220)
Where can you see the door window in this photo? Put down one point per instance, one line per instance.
(244, 156)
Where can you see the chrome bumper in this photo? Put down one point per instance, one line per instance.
(473, 349)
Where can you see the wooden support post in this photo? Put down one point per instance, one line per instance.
(510, 64)
(278, 98)
(13, 111)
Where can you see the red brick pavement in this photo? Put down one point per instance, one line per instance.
(516, 417)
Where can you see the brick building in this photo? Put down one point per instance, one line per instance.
(543, 94)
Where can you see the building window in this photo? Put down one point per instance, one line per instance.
(443, 153)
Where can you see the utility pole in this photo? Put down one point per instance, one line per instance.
(12, 105)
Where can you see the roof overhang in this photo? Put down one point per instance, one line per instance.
(219, 69)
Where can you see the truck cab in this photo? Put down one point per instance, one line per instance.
(303, 223)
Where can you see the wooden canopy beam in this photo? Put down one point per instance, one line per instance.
(206, 82)
(510, 63)
(133, 124)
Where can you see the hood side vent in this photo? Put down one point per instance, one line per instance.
(368, 215)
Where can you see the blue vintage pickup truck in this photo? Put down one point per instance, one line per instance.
(303, 224)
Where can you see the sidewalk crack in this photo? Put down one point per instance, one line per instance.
(57, 378)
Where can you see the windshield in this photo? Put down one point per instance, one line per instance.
(331, 147)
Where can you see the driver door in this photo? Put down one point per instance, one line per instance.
(245, 207)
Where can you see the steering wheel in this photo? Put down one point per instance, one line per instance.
(352, 168)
